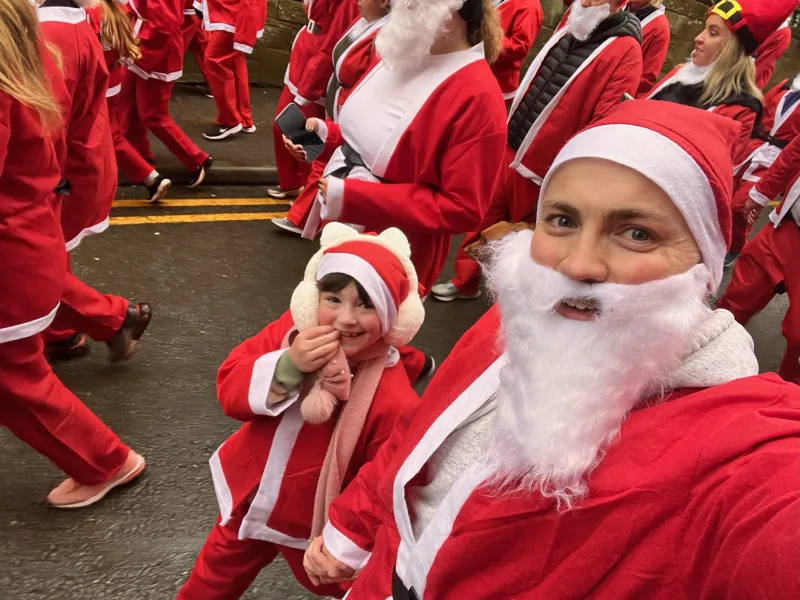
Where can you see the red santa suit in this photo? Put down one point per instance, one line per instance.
(89, 168)
(266, 475)
(779, 125)
(521, 21)
(612, 68)
(425, 162)
(677, 508)
(195, 37)
(770, 52)
(307, 74)
(351, 58)
(147, 84)
(34, 405)
(655, 44)
(768, 264)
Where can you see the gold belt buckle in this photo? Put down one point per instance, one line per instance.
(312, 25)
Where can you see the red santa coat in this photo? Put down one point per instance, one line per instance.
(271, 466)
(655, 44)
(782, 178)
(110, 55)
(31, 242)
(770, 52)
(698, 499)
(738, 112)
(781, 123)
(521, 21)
(245, 19)
(599, 84)
(90, 166)
(438, 166)
(158, 24)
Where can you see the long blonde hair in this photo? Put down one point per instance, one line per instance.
(22, 72)
(733, 74)
(656, 3)
(490, 32)
(117, 32)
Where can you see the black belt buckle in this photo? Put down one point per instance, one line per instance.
(63, 188)
(399, 590)
(313, 28)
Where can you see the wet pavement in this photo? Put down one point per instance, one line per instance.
(212, 284)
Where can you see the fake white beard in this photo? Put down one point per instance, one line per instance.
(568, 385)
(583, 21)
(411, 30)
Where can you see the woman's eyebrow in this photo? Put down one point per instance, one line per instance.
(563, 207)
(626, 214)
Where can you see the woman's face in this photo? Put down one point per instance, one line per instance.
(358, 323)
(372, 10)
(710, 41)
(603, 222)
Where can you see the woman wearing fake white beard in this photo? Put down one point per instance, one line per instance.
(600, 433)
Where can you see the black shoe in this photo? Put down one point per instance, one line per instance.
(218, 132)
(158, 189)
(75, 346)
(201, 172)
(120, 347)
(428, 370)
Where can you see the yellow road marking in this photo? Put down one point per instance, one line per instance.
(202, 202)
(156, 219)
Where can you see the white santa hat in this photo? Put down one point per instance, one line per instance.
(685, 151)
(381, 264)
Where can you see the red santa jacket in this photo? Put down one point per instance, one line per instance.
(782, 178)
(770, 52)
(245, 19)
(780, 123)
(31, 241)
(438, 167)
(598, 85)
(110, 55)
(521, 21)
(90, 166)
(698, 499)
(158, 25)
(270, 468)
(655, 44)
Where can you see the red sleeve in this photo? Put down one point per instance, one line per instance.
(235, 374)
(333, 140)
(318, 71)
(526, 25)
(624, 80)
(785, 168)
(654, 53)
(747, 117)
(768, 54)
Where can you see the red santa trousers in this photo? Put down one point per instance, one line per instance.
(227, 566)
(135, 167)
(741, 226)
(39, 410)
(767, 261)
(292, 173)
(149, 110)
(84, 309)
(226, 73)
(195, 38)
(514, 200)
(298, 213)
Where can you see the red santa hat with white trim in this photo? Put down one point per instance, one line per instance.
(381, 264)
(753, 21)
(685, 151)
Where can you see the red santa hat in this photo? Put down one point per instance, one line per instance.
(753, 21)
(381, 264)
(683, 150)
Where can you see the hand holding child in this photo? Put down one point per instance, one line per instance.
(313, 347)
(322, 567)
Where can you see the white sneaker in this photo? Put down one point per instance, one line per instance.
(287, 225)
(250, 129)
(217, 133)
(447, 292)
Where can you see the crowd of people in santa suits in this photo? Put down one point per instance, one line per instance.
(482, 489)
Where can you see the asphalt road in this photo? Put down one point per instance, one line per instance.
(212, 284)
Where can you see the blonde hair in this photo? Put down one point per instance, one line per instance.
(22, 72)
(656, 3)
(733, 74)
(117, 32)
(490, 32)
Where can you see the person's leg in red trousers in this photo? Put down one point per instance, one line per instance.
(242, 89)
(135, 167)
(39, 410)
(220, 59)
(292, 174)
(129, 119)
(195, 39)
(741, 226)
(298, 213)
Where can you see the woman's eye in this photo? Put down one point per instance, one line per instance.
(561, 221)
(333, 299)
(639, 235)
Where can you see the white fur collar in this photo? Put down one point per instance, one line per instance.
(796, 84)
(691, 74)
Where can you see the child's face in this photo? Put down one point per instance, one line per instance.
(358, 323)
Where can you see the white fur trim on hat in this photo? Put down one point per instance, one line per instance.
(667, 165)
(410, 314)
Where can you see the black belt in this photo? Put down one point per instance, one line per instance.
(352, 159)
(773, 141)
(313, 28)
(400, 591)
(63, 188)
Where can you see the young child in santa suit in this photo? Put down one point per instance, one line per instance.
(113, 26)
(318, 390)
(768, 264)
(89, 172)
(521, 21)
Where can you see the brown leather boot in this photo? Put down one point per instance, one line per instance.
(120, 347)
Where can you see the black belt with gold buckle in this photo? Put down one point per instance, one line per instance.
(313, 28)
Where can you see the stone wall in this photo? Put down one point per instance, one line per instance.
(285, 17)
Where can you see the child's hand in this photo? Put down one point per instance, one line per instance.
(322, 567)
(313, 347)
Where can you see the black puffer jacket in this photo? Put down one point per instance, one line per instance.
(559, 65)
(689, 95)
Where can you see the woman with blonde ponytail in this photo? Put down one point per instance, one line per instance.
(34, 404)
